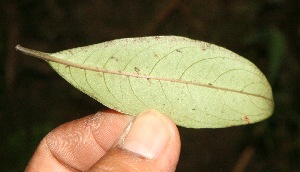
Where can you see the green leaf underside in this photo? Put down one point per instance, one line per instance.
(197, 84)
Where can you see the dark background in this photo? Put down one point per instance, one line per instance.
(34, 99)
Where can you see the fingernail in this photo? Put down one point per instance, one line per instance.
(148, 135)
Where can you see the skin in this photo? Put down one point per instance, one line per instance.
(98, 143)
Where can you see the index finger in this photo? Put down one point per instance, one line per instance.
(77, 145)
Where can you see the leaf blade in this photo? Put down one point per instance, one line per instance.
(197, 84)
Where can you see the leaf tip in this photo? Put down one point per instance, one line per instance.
(18, 47)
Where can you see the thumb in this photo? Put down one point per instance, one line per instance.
(150, 143)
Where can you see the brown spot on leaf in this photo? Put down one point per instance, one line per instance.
(114, 58)
(137, 70)
(71, 52)
(177, 50)
(247, 119)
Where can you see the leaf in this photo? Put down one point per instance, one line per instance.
(197, 84)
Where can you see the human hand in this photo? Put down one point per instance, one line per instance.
(110, 141)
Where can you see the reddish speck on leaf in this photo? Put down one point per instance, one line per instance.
(247, 119)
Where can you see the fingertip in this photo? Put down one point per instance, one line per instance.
(148, 135)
